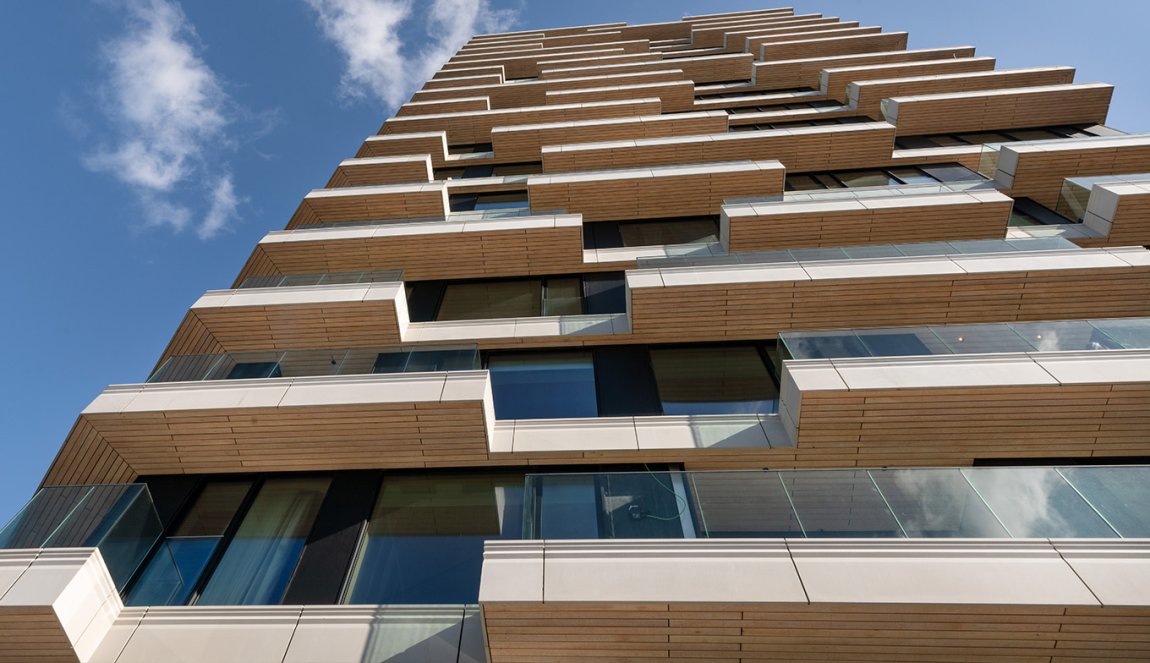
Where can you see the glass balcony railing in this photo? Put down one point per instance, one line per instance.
(689, 255)
(856, 193)
(120, 520)
(326, 278)
(453, 217)
(1017, 502)
(1075, 194)
(300, 363)
(1045, 336)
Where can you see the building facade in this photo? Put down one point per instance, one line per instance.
(749, 336)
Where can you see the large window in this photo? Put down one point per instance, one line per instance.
(714, 380)
(1001, 136)
(543, 385)
(839, 179)
(489, 170)
(424, 542)
(515, 298)
(468, 202)
(651, 232)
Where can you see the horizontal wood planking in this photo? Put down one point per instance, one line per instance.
(926, 222)
(366, 172)
(799, 150)
(453, 105)
(526, 49)
(456, 255)
(664, 194)
(821, 48)
(526, 142)
(34, 633)
(599, 61)
(398, 202)
(1130, 225)
(760, 310)
(708, 35)
(736, 66)
(755, 42)
(675, 96)
(476, 127)
(956, 425)
(867, 96)
(534, 93)
(1000, 109)
(278, 439)
(1039, 174)
(479, 79)
(596, 632)
(834, 80)
(488, 70)
(339, 324)
(524, 66)
(431, 143)
(805, 71)
(740, 39)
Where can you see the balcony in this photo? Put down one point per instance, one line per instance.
(806, 71)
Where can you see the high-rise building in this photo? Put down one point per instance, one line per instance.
(749, 336)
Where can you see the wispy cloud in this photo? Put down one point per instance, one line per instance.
(171, 114)
(368, 34)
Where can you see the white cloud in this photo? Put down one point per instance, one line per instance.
(170, 112)
(367, 33)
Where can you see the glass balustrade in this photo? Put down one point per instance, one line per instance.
(120, 520)
(301, 363)
(326, 278)
(1045, 336)
(995, 503)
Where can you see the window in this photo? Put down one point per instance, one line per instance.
(499, 299)
(259, 560)
(820, 122)
(714, 380)
(489, 170)
(470, 148)
(424, 542)
(651, 232)
(466, 202)
(929, 174)
(999, 136)
(1027, 212)
(571, 294)
(542, 385)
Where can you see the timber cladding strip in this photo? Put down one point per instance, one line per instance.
(381, 202)
(382, 170)
(1037, 170)
(281, 424)
(806, 71)
(534, 93)
(526, 142)
(757, 301)
(755, 41)
(814, 48)
(890, 220)
(636, 193)
(1085, 103)
(834, 80)
(736, 66)
(467, 128)
(674, 96)
(429, 251)
(800, 149)
(714, 35)
(955, 409)
(866, 96)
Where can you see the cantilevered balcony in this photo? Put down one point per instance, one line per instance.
(1038, 169)
(740, 565)
(805, 71)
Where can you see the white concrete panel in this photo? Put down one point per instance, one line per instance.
(670, 570)
(601, 434)
(13, 563)
(218, 635)
(376, 634)
(1097, 367)
(363, 389)
(1016, 572)
(512, 571)
(121, 630)
(160, 397)
(700, 432)
(1117, 572)
(942, 371)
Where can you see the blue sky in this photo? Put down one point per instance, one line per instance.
(147, 145)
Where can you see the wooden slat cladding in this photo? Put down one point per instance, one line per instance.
(1000, 109)
(746, 39)
(438, 106)
(526, 142)
(600, 61)
(525, 50)
(816, 48)
(480, 250)
(476, 127)
(33, 633)
(396, 201)
(834, 80)
(934, 218)
(525, 66)
(460, 81)
(744, 310)
(805, 71)
(955, 426)
(866, 96)
(674, 96)
(799, 150)
(193, 337)
(489, 70)
(647, 193)
(601, 632)
(382, 170)
(709, 35)
(534, 93)
(431, 143)
(736, 66)
(1037, 171)
(1130, 225)
(756, 42)
(84, 458)
(337, 324)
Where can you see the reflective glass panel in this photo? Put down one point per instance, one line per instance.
(543, 385)
(1037, 502)
(742, 505)
(1120, 494)
(717, 380)
(563, 297)
(839, 503)
(866, 178)
(260, 559)
(936, 503)
(498, 299)
(680, 231)
(424, 543)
